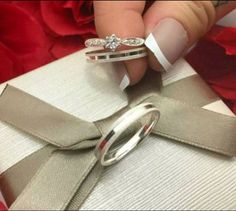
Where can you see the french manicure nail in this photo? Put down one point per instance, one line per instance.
(167, 41)
(124, 82)
(121, 75)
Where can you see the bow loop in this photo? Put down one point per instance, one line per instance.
(46, 122)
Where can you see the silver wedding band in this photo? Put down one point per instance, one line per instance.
(113, 42)
(117, 143)
(102, 56)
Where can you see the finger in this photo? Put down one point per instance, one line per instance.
(174, 26)
(124, 19)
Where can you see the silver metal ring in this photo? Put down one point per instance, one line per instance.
(219, 2)
(113, 42)
(117, 142)
(101, 56)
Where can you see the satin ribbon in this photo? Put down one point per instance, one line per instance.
(66, 173)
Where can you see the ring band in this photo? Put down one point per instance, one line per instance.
(102, 56)
(112, 42)
(219, 2)
(110, 149)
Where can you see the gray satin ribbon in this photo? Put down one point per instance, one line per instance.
(45, 121)
(58, 180)
(71, 175)
(23, 172)
(182, 118)
(192, 90)
(195, 126)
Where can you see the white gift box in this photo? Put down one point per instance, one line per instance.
(161, 174)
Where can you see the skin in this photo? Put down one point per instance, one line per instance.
(127, 19)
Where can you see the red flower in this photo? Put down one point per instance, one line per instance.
(225, 37)
(66, 18)
(22, 42)
(71, 22)
(2, 207)
(214, 58)
(34, 33)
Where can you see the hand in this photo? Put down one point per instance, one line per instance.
(173, 26)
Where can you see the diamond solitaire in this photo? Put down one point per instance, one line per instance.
(112, 42)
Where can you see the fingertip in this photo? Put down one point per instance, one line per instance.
(136, 69)
(154, 63)
(123, 18)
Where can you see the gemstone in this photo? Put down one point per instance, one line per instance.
(133, 41)
(112, 42)
(95, 42)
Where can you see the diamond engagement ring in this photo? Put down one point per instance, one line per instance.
(113, 42)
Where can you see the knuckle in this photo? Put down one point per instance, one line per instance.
(200, 15)
(136, 69)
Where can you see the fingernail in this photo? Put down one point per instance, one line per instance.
(124, 82)
(167, 41)
(121, 75)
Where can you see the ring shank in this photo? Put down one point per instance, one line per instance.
(102, 56)
(108, 155)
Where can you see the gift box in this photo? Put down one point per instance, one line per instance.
(181, 166)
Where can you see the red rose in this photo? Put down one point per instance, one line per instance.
(225, 37)
(71, 22)
(67, 18)
(2, 207)
(22, 42)
(34, 33)
(214, 58)
(66, 23)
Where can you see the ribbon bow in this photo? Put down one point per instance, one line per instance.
(66, 169)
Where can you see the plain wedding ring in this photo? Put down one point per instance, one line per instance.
(105, 151)
(102, 56)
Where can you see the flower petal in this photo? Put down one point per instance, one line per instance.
(9, 64)
(217, 68)
(67, 45)
(59, 19)
(225, 37)
(82, 11)
(21, 33)
(2, 207)
(210, 61)
(227, 81)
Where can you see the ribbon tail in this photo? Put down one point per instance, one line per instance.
(57, 182)
(195, 126)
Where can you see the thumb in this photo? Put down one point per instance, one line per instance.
(174, 26)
